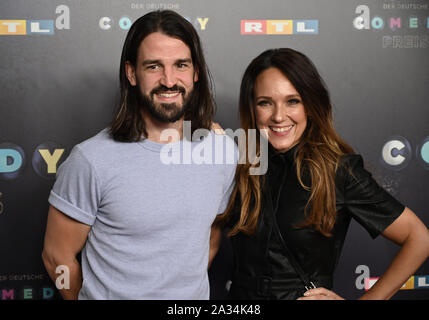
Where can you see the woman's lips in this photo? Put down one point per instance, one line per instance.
(281, 131)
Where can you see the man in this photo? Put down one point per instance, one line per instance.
(143, 226)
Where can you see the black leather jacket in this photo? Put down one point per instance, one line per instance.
(261, 267)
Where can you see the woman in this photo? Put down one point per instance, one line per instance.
(288, 227)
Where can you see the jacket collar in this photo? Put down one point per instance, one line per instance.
(288, 156)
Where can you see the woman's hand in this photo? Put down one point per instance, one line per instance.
(217, 128)
(320, 294)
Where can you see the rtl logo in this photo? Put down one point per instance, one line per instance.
(25, 27)
(279, 27)
(364, 281)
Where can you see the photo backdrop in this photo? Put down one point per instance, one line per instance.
(59, 71)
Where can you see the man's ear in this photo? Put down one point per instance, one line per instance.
(130, 71)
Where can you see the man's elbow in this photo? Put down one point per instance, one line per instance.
(49, 260)
(54, 257)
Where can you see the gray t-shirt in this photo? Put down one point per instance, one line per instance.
(150, 221)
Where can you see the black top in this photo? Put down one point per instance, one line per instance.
(358, 196)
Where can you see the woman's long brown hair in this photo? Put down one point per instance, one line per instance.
(318, 152)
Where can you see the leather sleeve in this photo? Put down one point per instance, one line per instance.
(368, 203)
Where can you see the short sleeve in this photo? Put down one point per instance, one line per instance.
(76, 189)
(368, 203)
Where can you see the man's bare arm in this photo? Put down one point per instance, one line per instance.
(64, 239)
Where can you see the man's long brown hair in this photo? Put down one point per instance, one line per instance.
(318, 152)
(128, 124)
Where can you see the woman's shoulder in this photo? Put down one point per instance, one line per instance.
(351, 168)
(351, 160)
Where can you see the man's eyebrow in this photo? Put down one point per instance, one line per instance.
(189, 60)
(146, 62)
(157, 61)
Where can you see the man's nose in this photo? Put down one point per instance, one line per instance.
(168, 78)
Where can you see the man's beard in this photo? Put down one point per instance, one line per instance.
(167, 112)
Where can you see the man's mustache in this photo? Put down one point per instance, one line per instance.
(162, 88)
